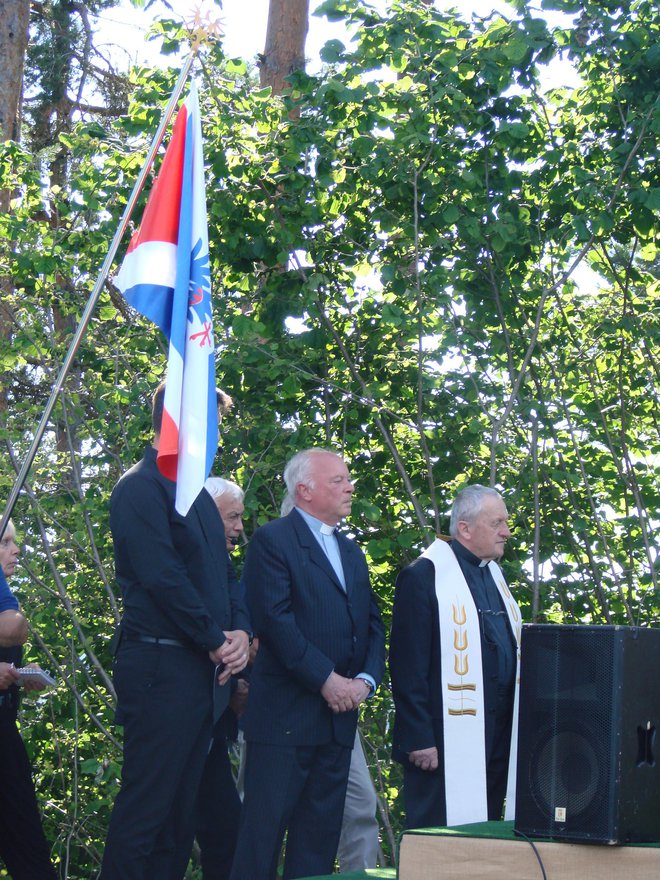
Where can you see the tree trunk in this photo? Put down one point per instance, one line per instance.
(14, 22)
(285, 42)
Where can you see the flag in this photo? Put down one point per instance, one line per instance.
(166, 276)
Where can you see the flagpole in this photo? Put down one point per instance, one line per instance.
(96, 292)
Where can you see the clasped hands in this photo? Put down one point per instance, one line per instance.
(231, 655)
(344, 694)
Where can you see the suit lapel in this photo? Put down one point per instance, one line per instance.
(314, 550)
(347, 554)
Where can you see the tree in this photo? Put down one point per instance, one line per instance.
(401, 272)
(285, 43)
(13, 43)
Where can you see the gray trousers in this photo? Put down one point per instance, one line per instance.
(358, 843)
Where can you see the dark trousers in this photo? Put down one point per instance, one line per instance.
(218, 810)
(300, 790)
(165, 702)
(23, 846)
(497, 753)
(424, 797)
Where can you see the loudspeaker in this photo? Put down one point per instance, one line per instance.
(588, 747)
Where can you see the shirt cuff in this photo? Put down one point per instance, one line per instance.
(370, 681)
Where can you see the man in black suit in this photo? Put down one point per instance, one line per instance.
(453, 666)
(321, 654)
(184, 632)
(218, 802)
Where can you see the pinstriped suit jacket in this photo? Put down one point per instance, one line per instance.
(308, 627)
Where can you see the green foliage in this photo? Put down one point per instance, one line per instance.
(434, 267)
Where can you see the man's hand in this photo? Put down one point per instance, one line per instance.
(238, 701)
(340, 693)
(425, 759)
(8, 675)
(360, 688)
(254, 647)
(29, 684)
(232, 654)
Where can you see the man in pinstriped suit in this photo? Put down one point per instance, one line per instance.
(322, 653)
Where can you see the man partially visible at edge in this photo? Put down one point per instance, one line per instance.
(23, 845)
(218, 802)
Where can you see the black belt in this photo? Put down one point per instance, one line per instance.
(152, 640)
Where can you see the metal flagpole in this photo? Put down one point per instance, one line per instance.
(96, 292)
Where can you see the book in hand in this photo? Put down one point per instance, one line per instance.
(40, 675)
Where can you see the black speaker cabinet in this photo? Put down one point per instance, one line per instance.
(588, 740)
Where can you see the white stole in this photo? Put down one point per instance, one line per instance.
(462, 689)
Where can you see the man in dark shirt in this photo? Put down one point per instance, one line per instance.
(453, 665)
(184, 632)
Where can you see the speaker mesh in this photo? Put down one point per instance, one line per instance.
(566, 772)
(584, 770)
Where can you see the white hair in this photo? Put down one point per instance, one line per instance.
(467, 505)
(299, 468)
(218, 486)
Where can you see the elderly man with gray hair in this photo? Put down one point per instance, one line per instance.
(228, 498)
(321, 655)
(454, 654)
(218, 807)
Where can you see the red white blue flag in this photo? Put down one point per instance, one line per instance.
(166, 276)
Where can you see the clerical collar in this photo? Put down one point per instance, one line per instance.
(316, 525)
(462, 551)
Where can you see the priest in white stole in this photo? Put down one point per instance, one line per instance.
(454, 656)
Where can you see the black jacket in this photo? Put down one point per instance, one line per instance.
(174, 572)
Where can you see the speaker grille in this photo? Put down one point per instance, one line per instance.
(585, 772)
(566, 772)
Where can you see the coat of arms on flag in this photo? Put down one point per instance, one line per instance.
(166, 276)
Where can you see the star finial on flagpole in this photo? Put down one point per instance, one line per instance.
(204, 25)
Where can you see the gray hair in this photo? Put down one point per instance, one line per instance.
(467, 505)
(299, 469)
(217, 486)
(287, 505)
